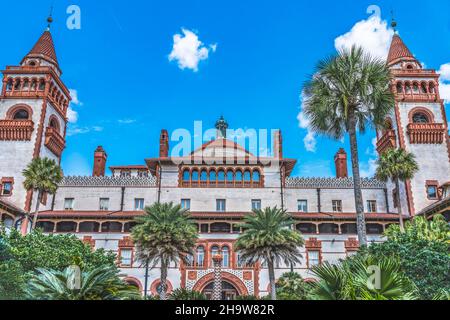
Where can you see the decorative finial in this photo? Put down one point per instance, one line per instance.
(221, 126)
(50, 18)
(393, 22)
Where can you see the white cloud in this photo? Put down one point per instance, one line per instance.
(72, 115)
(126, 121)
(309, 140)
(75, 130)
(368, 169)
(372, 34)
(316, 168)
(188, 50)
(444, 86)
(74, 96)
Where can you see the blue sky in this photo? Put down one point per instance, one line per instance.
(259, 53)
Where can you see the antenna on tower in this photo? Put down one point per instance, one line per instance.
(50, 16)
(393, 22)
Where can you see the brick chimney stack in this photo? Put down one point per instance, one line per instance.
(278, 145)
(340, 160)
(100, 157)
(164, 144)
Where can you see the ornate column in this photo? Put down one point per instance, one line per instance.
(217, 289)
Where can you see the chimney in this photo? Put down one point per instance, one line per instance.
(278, 145)
(340, 160)
(164, 144)
(99, 162)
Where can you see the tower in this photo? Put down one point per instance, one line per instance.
(222, 127)
(418, 125)
(33, 116)
(100, 157)
(340, 161)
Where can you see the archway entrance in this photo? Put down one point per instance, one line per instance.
(229, 292)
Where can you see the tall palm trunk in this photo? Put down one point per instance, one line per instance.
(36, 211)
(399, 205)
(273, 292)
(147, 262)
(164, 267)
(359, 204)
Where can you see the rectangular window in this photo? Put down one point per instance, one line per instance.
(256, 204)
(68, 203)
(139, 204)
(6, 189)
(337, 205)
(313, 258)
(372, 206)
(432, 192)
(221, 205)
(302, 206)
(125, 173)
(186, 204)
(126, 257)
(142, 174)
(104, 204)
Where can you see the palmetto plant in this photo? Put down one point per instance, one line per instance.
(42, 175)
(164, 234)
(99, 284)
(185, 295)
(397, 165)
(268, 236)
(362, 278)
(347, 92)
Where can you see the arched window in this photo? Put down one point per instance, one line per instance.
(200, 258)
(423, 87)
(21, 114)
(214, 252)
(408, 87)
(221, 176)
(89, 226)
(416, 87)
(247, 176)
(399, 87)
(204, 176)
(225, 257)
(238, 176)
(9, 85)
(195, 175)
(17, 84)
(54, 124)
(41, 85)
(256, 176)
(230, 176)
(26, 85)
(432, 88)
(420, 117)
(33, 85)
(212, 176)
(186, 175)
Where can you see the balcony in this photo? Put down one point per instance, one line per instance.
(387, 141)
(54, 142)
(417, 97)
(16, 130)
(426, 133)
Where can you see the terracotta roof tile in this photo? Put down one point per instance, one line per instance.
(44, 47)
(398, 51)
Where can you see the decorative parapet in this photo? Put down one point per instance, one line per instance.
(16, 130)
(108, 182)
(54, 142)
(426, 133)
(386, 142)
(332, 183)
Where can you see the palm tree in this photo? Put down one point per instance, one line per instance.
(102, 283)
(185, 295)
(348, 92)
(42, 176)
(164, 234)
(363, 278)
(269, 237)
(397, 165)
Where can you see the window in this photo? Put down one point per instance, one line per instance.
(204, 176)
(142, 174)
(200, 257)
(220, 205)
(313, 258)
(195, 176)
(256, 204)
(256, 176)
(186, 204)
(126, 256)
(432, 192)
(6, 189)
(125, 173)
(186, 175)
(371, 206)
(230, 176)
(302, 206)
(225, 257)
(68, 203)
(214, 252)
(420, 117)
(337, 205)
(247, 176)
(139, 204)
(104, 204)
(21, 115)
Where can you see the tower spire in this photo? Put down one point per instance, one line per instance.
(50, 18)
(393, 22)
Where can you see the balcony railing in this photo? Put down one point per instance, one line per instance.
(16, 130)
(417, 97)
(426, 133)
(54, 142)
(386, 142)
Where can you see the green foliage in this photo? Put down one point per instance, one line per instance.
(102, 283)
(396, 164)
(364, 277)
(247, 298)
(185, 295)
(291, 286)
(42, 174)
(423, 253)
(348, 85)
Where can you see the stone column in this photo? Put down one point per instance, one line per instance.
(217, 289)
